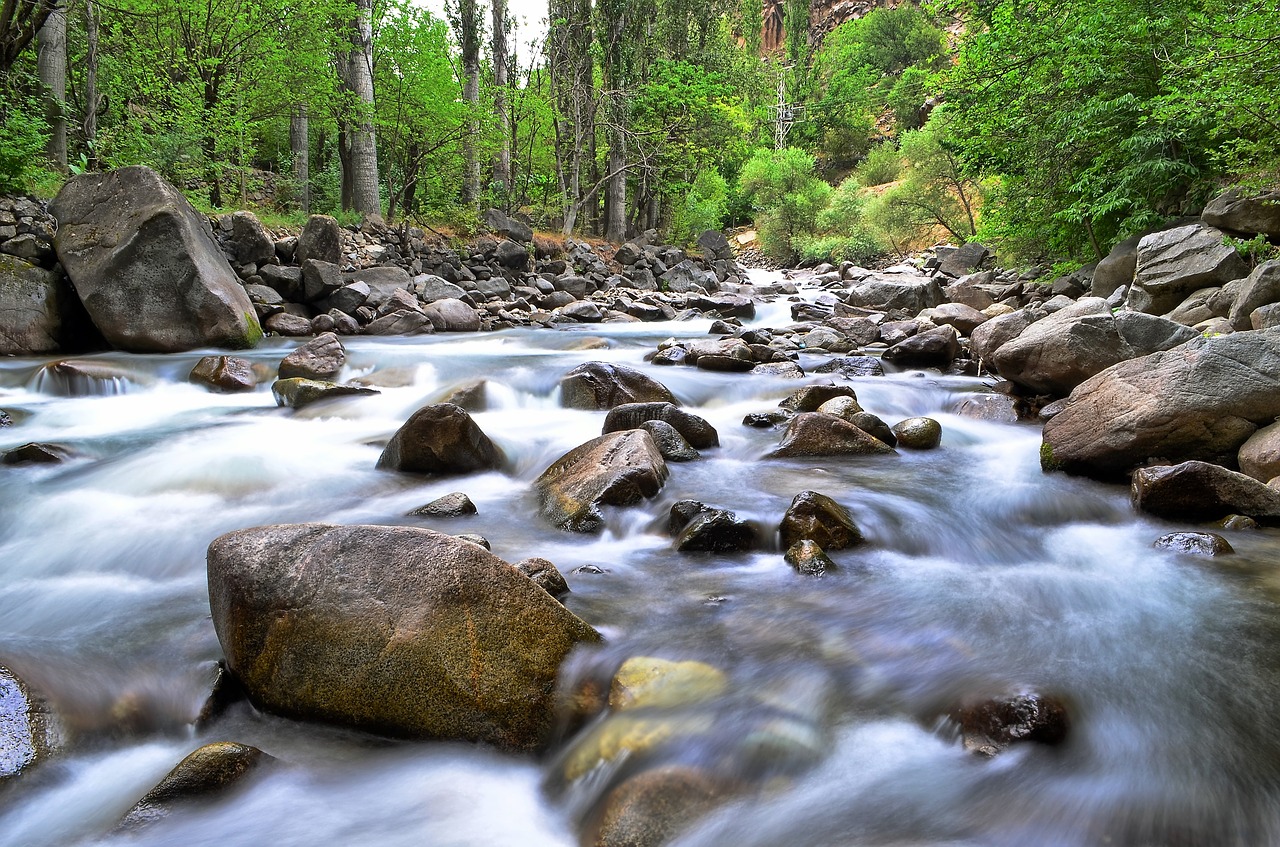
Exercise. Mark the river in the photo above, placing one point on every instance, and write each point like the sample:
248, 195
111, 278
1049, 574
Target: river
981, 574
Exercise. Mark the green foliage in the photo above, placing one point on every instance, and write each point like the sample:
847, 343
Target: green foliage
882, 164
23, 131
1254, 250
786, 195
703, 208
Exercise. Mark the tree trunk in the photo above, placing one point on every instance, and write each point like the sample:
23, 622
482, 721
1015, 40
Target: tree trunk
300, 148
364, 145
501, 159
91, 98
347, 191
615, 206
468, 25
51, 66
571, 69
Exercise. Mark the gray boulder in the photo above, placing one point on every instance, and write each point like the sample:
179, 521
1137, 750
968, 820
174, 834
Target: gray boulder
912, 294
936, 348
1000, 330
816, 434
1116, 270
252, 244
1175, 262
694, 429
965, 259
616, 469
440, 439
320, 358
146, 267
1261, 288
452, 315
1259, 457
1247, 214
394, 630
38, 310
1202, 400
224, 373
430, 288
321, 239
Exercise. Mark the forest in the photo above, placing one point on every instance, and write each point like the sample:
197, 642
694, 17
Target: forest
1050, 130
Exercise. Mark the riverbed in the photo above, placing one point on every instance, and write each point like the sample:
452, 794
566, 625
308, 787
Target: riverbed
981, 575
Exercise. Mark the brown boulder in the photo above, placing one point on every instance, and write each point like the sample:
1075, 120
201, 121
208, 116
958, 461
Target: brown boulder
598, 385
320, 358
393, 630
1260, 456
695, 430
616, 469
224, 373
440, 439
1199, 491
816, 517
206, 773
816, 434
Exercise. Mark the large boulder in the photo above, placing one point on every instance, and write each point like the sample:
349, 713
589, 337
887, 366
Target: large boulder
1201, 400
1000, 330
146, 266
1116, 270
321, 239
1260, 455
1200, 491
440, 439
1175, 262
599, 385
450, 314
1248, 214
616, 469
1058, 353
37, 309
252, 244
912, 294
393, 630
936, 348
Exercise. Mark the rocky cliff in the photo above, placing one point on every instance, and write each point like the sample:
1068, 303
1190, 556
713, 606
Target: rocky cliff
824, 16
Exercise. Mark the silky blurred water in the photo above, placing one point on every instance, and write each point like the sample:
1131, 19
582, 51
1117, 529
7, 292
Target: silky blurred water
981, 574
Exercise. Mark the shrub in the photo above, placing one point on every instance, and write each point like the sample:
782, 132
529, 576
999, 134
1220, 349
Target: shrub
883, 164
23, 132
703, 207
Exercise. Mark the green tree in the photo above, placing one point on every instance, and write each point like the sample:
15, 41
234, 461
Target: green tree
786, 196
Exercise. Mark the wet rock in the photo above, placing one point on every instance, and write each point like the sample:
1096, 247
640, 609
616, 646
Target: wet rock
809, 398
695, 430
990, 726
716, 531
1260, 456
808, 558
997, 408
453, 505
1199, 491
648, 682
845, 408
29, 731
597, 385
321, 239
918, 433
815, 434
1238, 523
452, 315
297, 393
36, 454
5, 419
440, 439
210, 772
321, 358
876, 428
146, 267
1175, 262
653, 807
816, 517
545, 575
1195, 543
766, 420
402, 631
616, 469
936, 348
851, 367
1202, 400
224, 373
682, 512
671, 443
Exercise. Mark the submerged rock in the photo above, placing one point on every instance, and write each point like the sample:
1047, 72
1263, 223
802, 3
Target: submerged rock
616, 469
716, 531
297, 393
394, 630
207, 773
990, 726
440, 439
1195, 543
36, 454
808, 558
651, 808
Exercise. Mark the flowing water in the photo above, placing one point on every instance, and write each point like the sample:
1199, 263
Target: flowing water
981, 575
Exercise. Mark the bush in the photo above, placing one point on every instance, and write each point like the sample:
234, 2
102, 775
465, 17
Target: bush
883, 164
859, 247
703, 208
786, 195
23, 133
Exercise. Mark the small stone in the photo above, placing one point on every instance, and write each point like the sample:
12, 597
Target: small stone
766, 420
808, 558
545, 574
454, 505
1238, 523
844, 408
671, 444
209, 771
36, 454
224, 373
649, 682
809, 398
1195, 543
472, 537
876, 428
918, 433
988, 727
